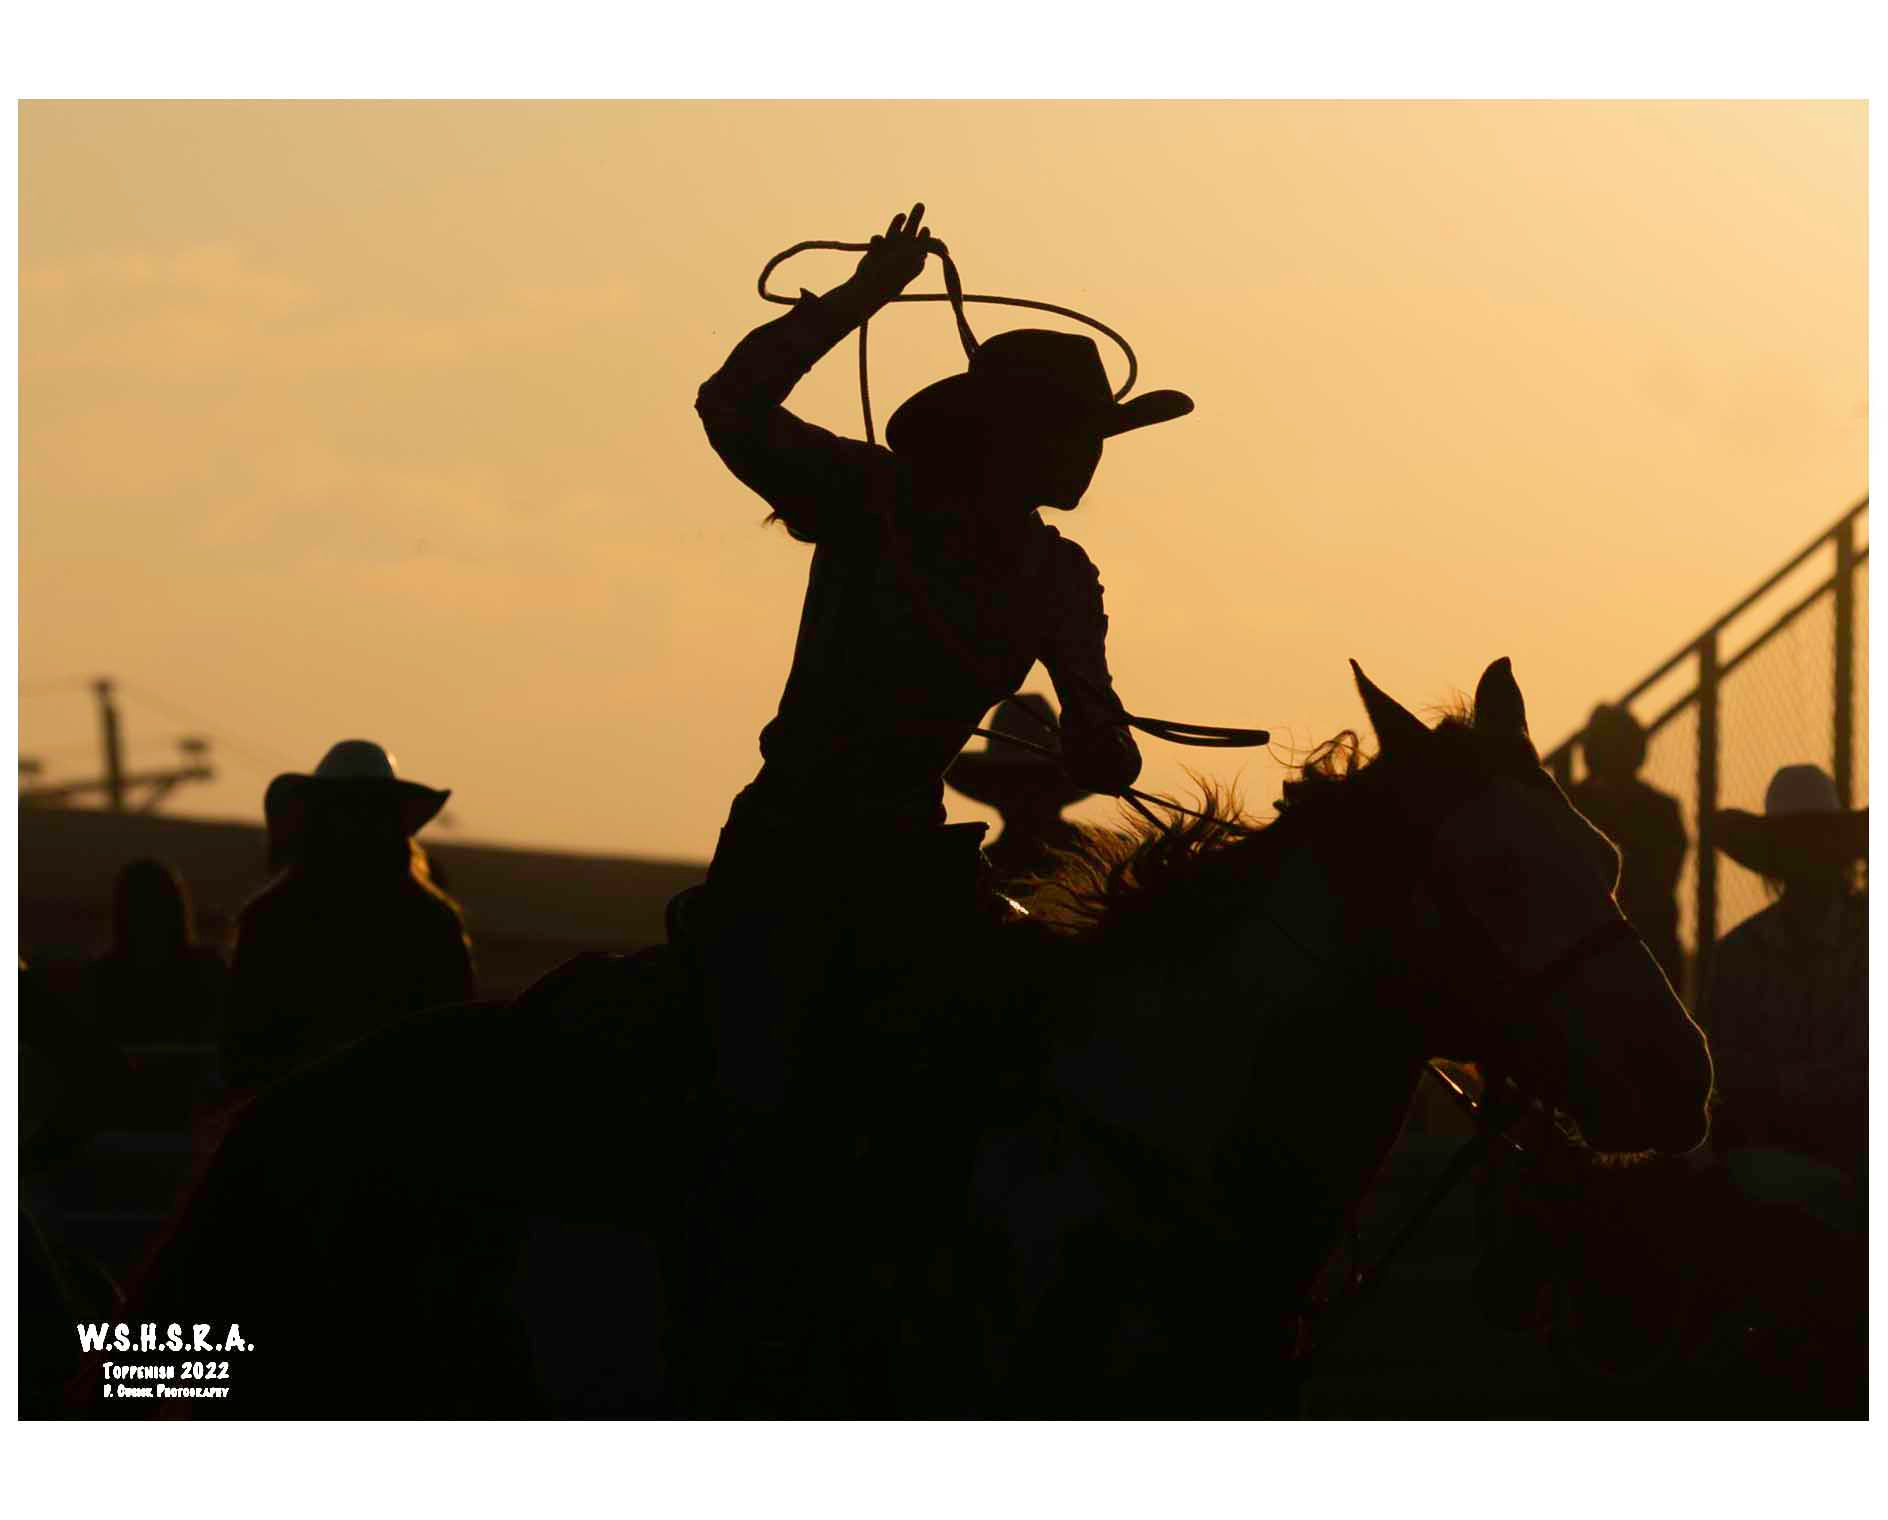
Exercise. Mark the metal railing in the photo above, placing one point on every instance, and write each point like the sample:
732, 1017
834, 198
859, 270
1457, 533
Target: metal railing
1723, 731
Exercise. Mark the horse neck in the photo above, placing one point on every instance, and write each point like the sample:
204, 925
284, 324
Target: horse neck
1317, 954
1271, 1040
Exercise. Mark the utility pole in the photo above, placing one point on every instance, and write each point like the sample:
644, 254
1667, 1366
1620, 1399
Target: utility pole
117, 784
109, 740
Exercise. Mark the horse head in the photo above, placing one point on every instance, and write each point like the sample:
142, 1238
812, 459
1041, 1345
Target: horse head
1527, 951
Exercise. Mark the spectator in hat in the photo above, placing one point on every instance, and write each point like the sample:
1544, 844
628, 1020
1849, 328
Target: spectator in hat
352, 935
1643, 822
1787, 1005
1028, 788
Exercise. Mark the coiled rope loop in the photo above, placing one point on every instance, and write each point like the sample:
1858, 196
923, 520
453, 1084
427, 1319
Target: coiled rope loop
1202, 735
953, 292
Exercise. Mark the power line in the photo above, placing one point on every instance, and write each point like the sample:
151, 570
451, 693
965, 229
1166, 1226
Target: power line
50, 688
117, 784
248, 754
260, 754
60, 751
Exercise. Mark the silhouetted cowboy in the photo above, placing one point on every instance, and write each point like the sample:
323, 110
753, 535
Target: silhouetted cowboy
1787, 1008
1643, 822
352, 935
934, 587
1028, 789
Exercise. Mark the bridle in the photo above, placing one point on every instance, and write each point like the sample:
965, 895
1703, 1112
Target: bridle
1503, 1101
1525, 990
1502, 1104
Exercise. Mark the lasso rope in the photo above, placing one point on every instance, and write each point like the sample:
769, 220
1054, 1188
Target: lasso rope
1144, 802
1201, 735
954, 293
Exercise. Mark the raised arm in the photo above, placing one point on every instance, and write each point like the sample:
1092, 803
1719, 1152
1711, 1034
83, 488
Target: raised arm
813, 479
1098, 751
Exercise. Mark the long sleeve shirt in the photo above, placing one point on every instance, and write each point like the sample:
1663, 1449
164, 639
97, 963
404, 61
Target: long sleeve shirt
1787, 1015
917, 619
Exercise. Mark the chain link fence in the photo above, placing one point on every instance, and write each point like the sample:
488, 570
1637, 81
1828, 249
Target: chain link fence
1781, 679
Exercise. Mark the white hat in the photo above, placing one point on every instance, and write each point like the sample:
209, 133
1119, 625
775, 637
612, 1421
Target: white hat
1804, 826
361, 763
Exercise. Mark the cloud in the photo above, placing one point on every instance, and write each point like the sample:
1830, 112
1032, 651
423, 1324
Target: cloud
214, 313
204, 272
208, 401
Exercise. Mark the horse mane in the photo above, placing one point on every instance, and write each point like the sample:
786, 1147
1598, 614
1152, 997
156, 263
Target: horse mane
1177, 876
1147, 873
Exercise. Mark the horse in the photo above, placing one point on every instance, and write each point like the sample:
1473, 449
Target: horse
1088, 1168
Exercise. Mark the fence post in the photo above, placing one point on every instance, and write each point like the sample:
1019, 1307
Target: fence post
1705, 930
1844, 768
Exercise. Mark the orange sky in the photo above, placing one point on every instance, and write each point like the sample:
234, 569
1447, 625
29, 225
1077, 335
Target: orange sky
376, 419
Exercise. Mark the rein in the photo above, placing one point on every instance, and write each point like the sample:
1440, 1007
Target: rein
1200, 735
1492, 1116
1503, 1102
1492, 1121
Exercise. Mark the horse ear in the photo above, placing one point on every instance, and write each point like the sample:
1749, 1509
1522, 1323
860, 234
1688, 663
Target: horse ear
1498, 705
1395, 724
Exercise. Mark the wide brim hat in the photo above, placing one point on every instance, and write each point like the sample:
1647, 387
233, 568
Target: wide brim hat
1803, 827
354, 766
1614, 740
1053, 381
1780, 847
1002, 774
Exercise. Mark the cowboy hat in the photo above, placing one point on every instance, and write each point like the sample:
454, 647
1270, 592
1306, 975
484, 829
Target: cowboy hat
1803, 827
1002, 774
1051, 380
1613, 741
353, 765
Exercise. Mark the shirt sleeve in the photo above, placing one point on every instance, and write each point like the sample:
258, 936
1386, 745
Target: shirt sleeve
818, 483
1837, 1074
1098, 751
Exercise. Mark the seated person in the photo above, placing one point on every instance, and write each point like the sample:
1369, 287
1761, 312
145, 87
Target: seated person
1787, 1004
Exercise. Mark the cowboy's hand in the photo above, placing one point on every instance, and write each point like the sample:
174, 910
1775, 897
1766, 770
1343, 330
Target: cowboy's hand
896, 259
1103, 759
